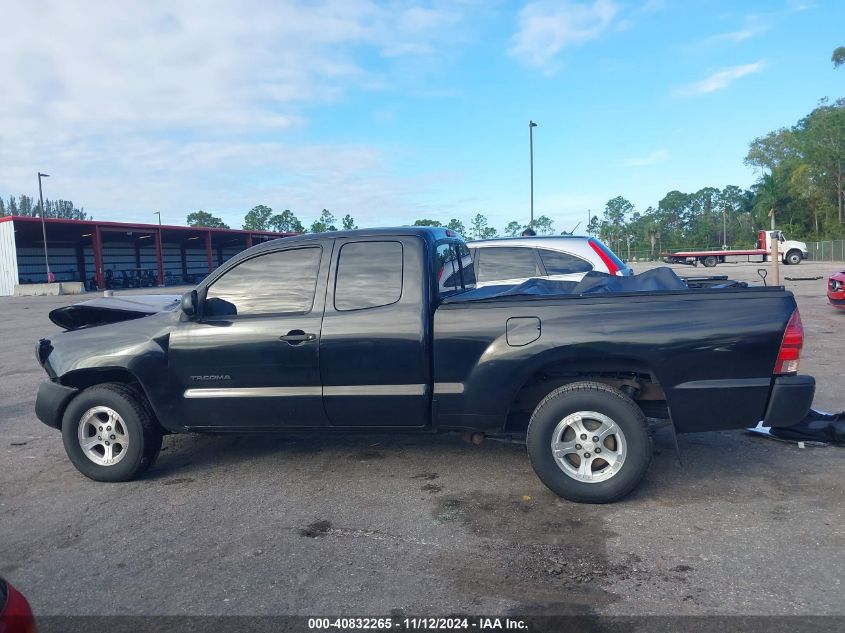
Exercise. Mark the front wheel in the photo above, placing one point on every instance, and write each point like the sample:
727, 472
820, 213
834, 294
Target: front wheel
710, 261
110, 434
793, 258
589, 443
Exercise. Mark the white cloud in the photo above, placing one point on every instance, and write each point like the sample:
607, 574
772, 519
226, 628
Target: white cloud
170, 103
545, 28
753, 25
720, 79
652, 158
742, 34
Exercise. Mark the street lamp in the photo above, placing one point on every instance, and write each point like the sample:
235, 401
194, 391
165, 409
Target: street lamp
158, 213
531, 126
50, 277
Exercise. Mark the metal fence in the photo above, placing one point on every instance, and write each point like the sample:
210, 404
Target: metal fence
827, 251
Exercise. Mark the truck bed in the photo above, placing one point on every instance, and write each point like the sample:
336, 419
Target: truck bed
710, 352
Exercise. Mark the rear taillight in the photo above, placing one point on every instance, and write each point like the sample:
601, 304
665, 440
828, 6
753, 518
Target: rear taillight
790, 347
612, 266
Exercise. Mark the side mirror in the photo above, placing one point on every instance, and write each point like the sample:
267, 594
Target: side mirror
189, 303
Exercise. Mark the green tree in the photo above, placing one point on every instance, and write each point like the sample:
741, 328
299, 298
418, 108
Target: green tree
457, 226
543, 225
286, 222
513, 229
2, 208
838, 57
324, 223
348, 222
25, 206
64, 209
258, 218
613, 225
822, 139
425, 222
203, 218
479, 230
772, 150
808, 191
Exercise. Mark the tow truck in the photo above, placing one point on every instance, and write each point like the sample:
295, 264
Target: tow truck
790, 251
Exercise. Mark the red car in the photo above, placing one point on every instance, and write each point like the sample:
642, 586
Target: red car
836, 290
15, 614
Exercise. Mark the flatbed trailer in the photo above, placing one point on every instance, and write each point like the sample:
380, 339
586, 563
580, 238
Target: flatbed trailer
791, 252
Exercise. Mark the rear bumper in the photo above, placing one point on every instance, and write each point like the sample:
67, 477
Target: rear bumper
51, 402
790, 400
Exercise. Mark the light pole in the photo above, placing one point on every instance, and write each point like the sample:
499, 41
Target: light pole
44, 227
158, 213
725, 229
531, 126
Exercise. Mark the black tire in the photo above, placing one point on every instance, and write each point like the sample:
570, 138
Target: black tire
793, 258
589, 396
710, 261
142, 431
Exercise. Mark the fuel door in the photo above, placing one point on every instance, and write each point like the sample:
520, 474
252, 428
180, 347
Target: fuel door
522, 330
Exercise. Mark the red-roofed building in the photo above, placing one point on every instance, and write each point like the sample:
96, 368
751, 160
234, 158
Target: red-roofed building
115, 254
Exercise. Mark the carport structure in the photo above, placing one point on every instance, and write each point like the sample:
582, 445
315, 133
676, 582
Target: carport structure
115, 254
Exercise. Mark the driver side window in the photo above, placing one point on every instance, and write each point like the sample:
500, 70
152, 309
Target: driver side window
282, 282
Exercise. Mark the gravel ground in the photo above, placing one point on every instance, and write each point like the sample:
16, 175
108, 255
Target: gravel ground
374, 524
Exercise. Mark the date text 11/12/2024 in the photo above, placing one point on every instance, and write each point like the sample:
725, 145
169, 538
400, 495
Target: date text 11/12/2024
418, 624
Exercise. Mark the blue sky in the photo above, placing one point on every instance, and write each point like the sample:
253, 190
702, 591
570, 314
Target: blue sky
392, 111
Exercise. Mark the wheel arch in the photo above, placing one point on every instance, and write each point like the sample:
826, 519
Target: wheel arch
81, 379
790, 252
629, 374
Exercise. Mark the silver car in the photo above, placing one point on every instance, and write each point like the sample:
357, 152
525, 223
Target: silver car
512, 260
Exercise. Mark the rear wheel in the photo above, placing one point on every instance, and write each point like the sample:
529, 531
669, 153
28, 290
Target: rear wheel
710, 261
110, 433
589, 443
793, 258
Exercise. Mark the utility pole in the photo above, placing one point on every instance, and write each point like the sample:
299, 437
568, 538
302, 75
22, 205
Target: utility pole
775, 248
725, 229
50, 277
531, 126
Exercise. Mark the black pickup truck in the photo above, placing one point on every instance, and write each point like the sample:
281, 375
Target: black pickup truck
381, 330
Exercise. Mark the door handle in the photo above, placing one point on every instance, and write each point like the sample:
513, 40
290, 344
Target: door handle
295, 337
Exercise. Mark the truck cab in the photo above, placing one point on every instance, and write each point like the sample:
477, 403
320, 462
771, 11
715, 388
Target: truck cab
791, 251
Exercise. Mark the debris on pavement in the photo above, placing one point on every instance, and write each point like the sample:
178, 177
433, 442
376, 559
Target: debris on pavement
818, 428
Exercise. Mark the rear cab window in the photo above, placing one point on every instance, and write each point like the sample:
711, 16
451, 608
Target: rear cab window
455, 271
369, 275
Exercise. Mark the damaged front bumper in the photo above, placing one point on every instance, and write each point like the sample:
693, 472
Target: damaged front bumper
51, 402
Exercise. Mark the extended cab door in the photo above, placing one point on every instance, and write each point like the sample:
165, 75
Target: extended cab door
375, 342
250, 360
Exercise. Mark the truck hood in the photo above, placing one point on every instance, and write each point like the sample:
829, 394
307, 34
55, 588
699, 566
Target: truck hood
106, 310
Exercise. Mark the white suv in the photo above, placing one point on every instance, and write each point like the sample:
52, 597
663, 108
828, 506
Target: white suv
512, 260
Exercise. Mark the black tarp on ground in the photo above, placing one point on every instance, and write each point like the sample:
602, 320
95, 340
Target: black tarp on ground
655, 280
818, 426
